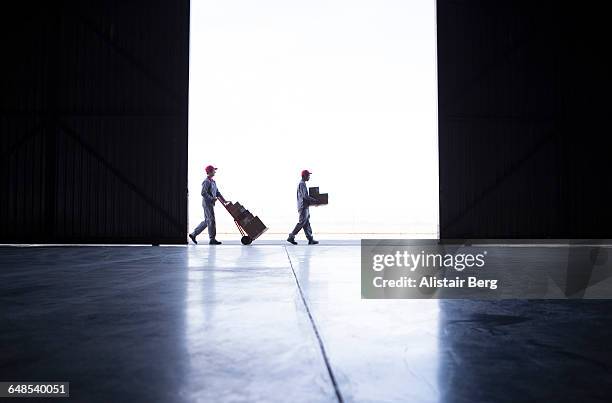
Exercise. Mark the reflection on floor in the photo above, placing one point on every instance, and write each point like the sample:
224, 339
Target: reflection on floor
276, 323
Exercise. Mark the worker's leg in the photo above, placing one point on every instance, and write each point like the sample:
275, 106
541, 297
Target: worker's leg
202, 226
209, 212
308, 229
303, 219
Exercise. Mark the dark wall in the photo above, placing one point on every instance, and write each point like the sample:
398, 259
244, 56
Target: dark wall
93, 121
524, 99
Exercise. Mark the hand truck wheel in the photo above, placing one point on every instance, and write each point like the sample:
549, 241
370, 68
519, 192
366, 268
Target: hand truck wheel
246, 240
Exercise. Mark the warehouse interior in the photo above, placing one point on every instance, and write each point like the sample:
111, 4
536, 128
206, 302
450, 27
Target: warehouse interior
99, 286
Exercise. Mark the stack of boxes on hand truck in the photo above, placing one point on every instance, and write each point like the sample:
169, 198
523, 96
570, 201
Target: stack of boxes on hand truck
321, 197
251, 227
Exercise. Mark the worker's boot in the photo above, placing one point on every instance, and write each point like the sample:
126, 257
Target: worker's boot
193, 238
291, 240
214, 242
311, 241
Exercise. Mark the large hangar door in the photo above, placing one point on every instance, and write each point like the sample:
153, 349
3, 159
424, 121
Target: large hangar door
524, 101
93, 118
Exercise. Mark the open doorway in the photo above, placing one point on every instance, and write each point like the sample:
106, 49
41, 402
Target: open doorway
346, 89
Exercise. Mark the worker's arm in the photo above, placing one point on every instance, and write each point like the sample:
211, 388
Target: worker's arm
206, 194
305, 196
220, 197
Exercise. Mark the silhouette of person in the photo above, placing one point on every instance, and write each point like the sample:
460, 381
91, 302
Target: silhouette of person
210, 194
303, 201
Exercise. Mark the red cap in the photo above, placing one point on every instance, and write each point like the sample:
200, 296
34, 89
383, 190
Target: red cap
306, 172
210, 169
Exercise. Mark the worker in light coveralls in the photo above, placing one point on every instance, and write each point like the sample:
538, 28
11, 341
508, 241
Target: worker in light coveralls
210, 194
303, 201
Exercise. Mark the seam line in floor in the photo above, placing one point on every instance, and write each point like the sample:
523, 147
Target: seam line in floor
316, 332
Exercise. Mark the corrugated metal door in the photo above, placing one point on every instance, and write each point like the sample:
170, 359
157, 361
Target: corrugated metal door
523, 115
93, 122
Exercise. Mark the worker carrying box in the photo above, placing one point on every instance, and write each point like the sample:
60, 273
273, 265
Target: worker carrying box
305, 199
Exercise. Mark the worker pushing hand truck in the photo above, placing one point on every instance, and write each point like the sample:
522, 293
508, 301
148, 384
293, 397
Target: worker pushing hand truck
250, 227
210, 193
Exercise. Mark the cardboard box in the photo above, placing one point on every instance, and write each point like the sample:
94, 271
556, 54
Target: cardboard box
244, 215
235, 209
255, 228
251, 224
245, 220
322, 198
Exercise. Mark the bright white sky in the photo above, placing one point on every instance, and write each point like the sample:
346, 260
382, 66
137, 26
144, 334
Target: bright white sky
344, 88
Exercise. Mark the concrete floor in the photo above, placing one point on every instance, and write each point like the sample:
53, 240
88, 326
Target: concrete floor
282, 324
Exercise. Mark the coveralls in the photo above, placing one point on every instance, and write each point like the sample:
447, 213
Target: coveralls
303, 200
209, 192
